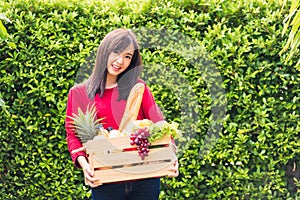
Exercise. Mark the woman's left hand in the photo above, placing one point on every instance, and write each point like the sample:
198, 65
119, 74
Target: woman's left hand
173, 169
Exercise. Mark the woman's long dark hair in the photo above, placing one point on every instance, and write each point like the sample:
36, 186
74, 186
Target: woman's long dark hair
116, 41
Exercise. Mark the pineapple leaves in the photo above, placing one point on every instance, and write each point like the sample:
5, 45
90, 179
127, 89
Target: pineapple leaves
86, 124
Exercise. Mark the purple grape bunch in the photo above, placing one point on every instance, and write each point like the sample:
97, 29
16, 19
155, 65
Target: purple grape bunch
140, 139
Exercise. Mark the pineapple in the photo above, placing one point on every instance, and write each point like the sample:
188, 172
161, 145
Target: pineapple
86, 125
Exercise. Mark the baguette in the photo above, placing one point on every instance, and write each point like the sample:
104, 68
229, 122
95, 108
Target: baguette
133, 104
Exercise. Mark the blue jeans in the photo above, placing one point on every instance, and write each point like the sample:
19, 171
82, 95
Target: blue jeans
145, 189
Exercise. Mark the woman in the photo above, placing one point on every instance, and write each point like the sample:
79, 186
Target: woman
117, 69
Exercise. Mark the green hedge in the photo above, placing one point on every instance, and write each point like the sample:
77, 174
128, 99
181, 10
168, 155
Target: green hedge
212, 65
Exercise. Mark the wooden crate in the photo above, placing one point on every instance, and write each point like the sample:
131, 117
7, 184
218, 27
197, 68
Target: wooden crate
114, 159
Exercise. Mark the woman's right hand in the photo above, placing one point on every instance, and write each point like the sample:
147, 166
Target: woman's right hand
88, 172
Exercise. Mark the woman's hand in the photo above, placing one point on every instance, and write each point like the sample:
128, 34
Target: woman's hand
88, 172
173, 170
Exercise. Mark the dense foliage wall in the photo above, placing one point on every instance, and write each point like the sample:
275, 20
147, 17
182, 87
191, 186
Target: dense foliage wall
212, 65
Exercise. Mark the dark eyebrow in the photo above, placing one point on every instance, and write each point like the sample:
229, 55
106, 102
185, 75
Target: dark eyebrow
128, 53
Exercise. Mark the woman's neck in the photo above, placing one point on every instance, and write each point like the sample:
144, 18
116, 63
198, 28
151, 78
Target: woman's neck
111, 83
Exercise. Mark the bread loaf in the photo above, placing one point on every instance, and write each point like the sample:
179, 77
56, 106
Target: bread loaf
133, 104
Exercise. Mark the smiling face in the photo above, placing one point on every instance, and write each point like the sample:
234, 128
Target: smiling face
119, 62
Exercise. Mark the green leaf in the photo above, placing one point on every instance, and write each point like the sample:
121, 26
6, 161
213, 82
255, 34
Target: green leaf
3, 32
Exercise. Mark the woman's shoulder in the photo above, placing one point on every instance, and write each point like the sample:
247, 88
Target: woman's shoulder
147, 89
141, 81
79, 88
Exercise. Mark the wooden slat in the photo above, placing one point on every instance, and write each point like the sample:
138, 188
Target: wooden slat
120, 142
132, 157
115, 175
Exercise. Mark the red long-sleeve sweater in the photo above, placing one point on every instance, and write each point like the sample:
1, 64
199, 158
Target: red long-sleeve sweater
108, 108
